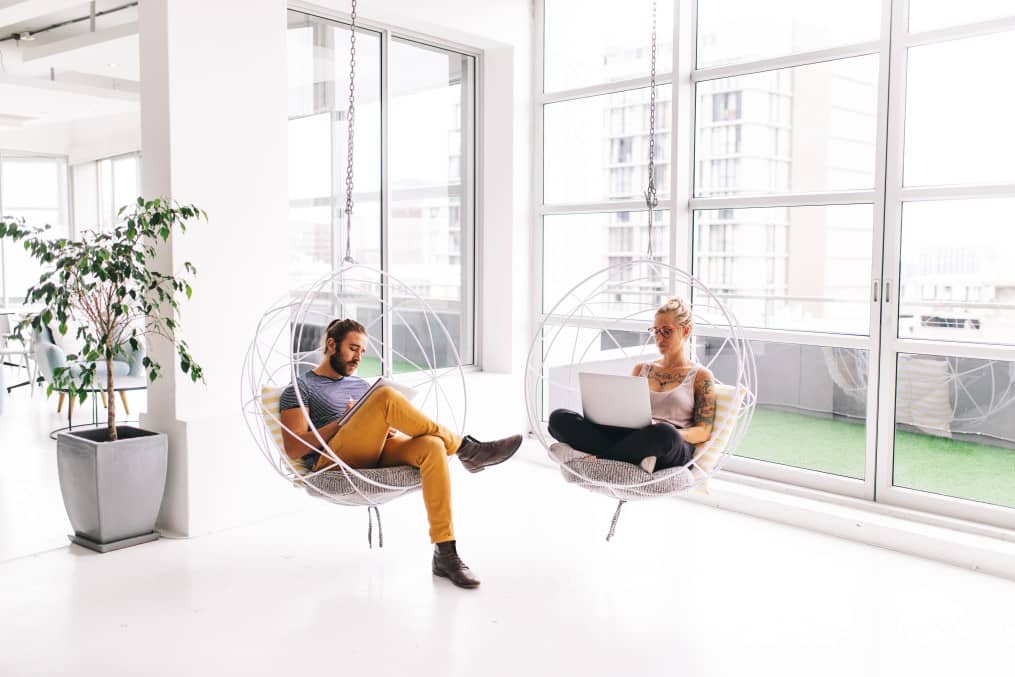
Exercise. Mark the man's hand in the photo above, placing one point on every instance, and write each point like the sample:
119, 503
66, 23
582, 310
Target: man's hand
349, 404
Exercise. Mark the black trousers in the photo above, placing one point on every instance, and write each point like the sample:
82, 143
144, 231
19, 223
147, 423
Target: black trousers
622, 444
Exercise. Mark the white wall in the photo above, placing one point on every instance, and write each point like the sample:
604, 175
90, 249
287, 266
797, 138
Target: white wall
96, 138
81, 140
214, 133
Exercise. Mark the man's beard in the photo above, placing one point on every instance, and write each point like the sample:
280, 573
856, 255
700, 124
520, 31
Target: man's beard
342, 367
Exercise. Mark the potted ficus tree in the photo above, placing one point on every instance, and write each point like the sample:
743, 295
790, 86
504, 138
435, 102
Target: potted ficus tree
102, 288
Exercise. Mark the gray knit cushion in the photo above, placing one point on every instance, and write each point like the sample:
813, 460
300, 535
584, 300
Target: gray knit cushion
626, 481
336, 486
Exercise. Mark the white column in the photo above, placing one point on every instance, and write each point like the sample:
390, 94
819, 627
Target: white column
213, 109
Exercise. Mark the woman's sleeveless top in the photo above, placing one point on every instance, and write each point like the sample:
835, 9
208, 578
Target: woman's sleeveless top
675, 406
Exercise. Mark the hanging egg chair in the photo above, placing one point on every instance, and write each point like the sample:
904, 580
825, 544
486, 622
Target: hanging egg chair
600, 325
408, 342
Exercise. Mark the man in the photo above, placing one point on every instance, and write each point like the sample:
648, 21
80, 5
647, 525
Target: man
387, 430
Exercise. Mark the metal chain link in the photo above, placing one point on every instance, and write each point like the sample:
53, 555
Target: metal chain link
350, 120
651, 200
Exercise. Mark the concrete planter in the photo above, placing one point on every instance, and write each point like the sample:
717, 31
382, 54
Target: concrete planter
112, 490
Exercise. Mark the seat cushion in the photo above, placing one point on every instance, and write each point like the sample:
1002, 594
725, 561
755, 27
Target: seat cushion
624, 480
338, 485
350, 488
630, 482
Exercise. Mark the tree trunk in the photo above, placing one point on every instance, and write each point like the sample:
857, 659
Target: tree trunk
110, 395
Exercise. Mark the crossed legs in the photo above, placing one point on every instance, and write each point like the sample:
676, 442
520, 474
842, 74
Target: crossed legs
661, 440
363, 442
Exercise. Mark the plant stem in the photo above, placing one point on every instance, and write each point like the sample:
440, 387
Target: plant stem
111, 412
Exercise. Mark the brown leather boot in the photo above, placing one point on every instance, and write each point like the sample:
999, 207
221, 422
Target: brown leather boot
447, 564
476, 455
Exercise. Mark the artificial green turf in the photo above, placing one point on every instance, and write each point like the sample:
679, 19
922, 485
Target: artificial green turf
371, 366
979, 472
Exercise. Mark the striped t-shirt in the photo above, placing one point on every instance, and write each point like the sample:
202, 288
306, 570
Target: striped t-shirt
325, 399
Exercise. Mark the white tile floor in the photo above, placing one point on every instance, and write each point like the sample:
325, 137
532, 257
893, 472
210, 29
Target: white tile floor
682, 590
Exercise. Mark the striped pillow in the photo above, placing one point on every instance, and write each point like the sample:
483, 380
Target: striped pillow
707, 455
269, 411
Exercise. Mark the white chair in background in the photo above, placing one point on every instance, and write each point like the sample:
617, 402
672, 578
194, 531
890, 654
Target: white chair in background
14, 353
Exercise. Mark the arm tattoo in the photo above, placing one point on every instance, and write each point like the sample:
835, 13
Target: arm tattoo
704, 402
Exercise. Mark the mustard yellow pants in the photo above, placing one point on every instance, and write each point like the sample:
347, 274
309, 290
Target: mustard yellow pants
363, 442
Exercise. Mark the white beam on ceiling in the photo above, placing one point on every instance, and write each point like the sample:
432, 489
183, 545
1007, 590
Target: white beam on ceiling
24, 10
85, 89
34, 52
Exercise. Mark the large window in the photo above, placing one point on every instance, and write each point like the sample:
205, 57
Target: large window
414, 162
855, 214
102, 187
34, 188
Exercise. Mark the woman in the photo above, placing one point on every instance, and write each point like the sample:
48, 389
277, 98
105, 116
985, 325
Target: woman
682, 393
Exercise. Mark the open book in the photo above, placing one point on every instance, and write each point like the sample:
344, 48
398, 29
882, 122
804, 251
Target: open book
408, 392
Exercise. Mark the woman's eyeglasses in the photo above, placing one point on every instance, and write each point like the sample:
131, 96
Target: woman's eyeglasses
665, 332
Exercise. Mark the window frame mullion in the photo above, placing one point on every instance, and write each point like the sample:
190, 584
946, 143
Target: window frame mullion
387, 359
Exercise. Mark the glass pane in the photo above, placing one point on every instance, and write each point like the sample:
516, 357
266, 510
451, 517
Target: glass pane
576, 246
981, 152
798, 130
106, 209
126, 172
432, 123
811, 409
925, 15
731, 31
954, 429
318, 65
86, 196
32, 184
596, 149
20, 271
589, 42
956, 271
318, 62
33, 189
568, 350
804, 268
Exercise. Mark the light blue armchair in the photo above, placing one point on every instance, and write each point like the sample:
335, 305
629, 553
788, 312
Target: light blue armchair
52, 348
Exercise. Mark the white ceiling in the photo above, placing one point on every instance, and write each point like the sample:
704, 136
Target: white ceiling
44, 102
111, 52
70, 72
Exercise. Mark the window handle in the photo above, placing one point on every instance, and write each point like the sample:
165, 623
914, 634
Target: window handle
888, 291
875, 286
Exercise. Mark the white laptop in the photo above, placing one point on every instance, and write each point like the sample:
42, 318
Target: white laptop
611, 399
